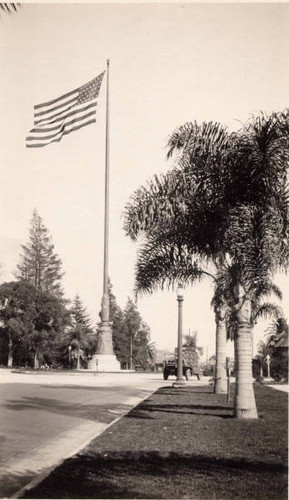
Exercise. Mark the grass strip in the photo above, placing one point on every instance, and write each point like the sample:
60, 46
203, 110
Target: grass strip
182, 443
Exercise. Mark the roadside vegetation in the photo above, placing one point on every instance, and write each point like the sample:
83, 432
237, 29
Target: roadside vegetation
221, 212
275, 346
41, 329
182, 443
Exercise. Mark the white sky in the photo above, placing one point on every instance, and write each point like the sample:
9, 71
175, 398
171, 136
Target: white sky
170, 63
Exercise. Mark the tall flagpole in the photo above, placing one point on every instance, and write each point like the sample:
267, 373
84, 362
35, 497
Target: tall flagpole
105, 357
105, 298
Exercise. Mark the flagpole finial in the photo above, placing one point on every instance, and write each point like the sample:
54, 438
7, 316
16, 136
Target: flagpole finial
107, 62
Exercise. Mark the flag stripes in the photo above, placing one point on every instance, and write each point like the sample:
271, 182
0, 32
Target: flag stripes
72, 101
58, 117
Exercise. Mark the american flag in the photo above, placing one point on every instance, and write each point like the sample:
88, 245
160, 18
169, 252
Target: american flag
59, 117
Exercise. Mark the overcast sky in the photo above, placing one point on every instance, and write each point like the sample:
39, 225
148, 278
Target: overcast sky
170, 63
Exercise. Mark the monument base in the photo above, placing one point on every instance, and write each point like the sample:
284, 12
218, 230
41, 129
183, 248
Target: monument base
104, 363
179, 383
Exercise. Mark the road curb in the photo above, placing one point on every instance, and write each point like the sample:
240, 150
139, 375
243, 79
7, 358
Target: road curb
45, 473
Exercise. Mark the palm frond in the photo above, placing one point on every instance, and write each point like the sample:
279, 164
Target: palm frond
267, 288
9, 8
199, 139
226, 199
268, 309
161, 265
261, 157
276, 330
152, 203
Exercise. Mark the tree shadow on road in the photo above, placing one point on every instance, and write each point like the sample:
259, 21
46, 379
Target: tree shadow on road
146, 411
168, 403
101, 413
87, 388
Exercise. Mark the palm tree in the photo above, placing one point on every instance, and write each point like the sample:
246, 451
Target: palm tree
182, 201
159, 265
228, 199
257, 233
172, 192
163, 263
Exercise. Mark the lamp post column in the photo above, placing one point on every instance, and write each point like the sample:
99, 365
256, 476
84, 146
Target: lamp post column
180, 382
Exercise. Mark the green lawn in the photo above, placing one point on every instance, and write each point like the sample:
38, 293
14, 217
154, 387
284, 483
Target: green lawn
182, 443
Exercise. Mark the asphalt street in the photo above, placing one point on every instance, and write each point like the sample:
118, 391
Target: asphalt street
48, 417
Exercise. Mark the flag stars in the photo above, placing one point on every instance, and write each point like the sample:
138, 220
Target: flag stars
64, 114
90, 90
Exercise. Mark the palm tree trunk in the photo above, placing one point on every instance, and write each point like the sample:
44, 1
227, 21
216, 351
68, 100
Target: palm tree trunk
245, 405
220, 370
10, 352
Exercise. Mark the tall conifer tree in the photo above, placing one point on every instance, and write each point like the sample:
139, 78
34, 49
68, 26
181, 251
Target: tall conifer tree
119, 338
80, 330
132, 320
39, 264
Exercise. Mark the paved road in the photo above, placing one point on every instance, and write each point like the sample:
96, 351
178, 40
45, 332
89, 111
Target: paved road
45, 418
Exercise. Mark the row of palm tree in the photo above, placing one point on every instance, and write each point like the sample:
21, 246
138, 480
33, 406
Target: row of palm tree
220, 212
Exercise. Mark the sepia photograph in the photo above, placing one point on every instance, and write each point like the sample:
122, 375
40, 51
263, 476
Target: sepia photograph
144, 250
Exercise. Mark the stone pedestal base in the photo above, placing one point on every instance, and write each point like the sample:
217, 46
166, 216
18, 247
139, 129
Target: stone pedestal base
179, 383
104, 363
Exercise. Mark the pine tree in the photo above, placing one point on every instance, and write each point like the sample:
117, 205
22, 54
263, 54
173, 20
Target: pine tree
39, 264
144, 351
119, 338
80, 330
132, 321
